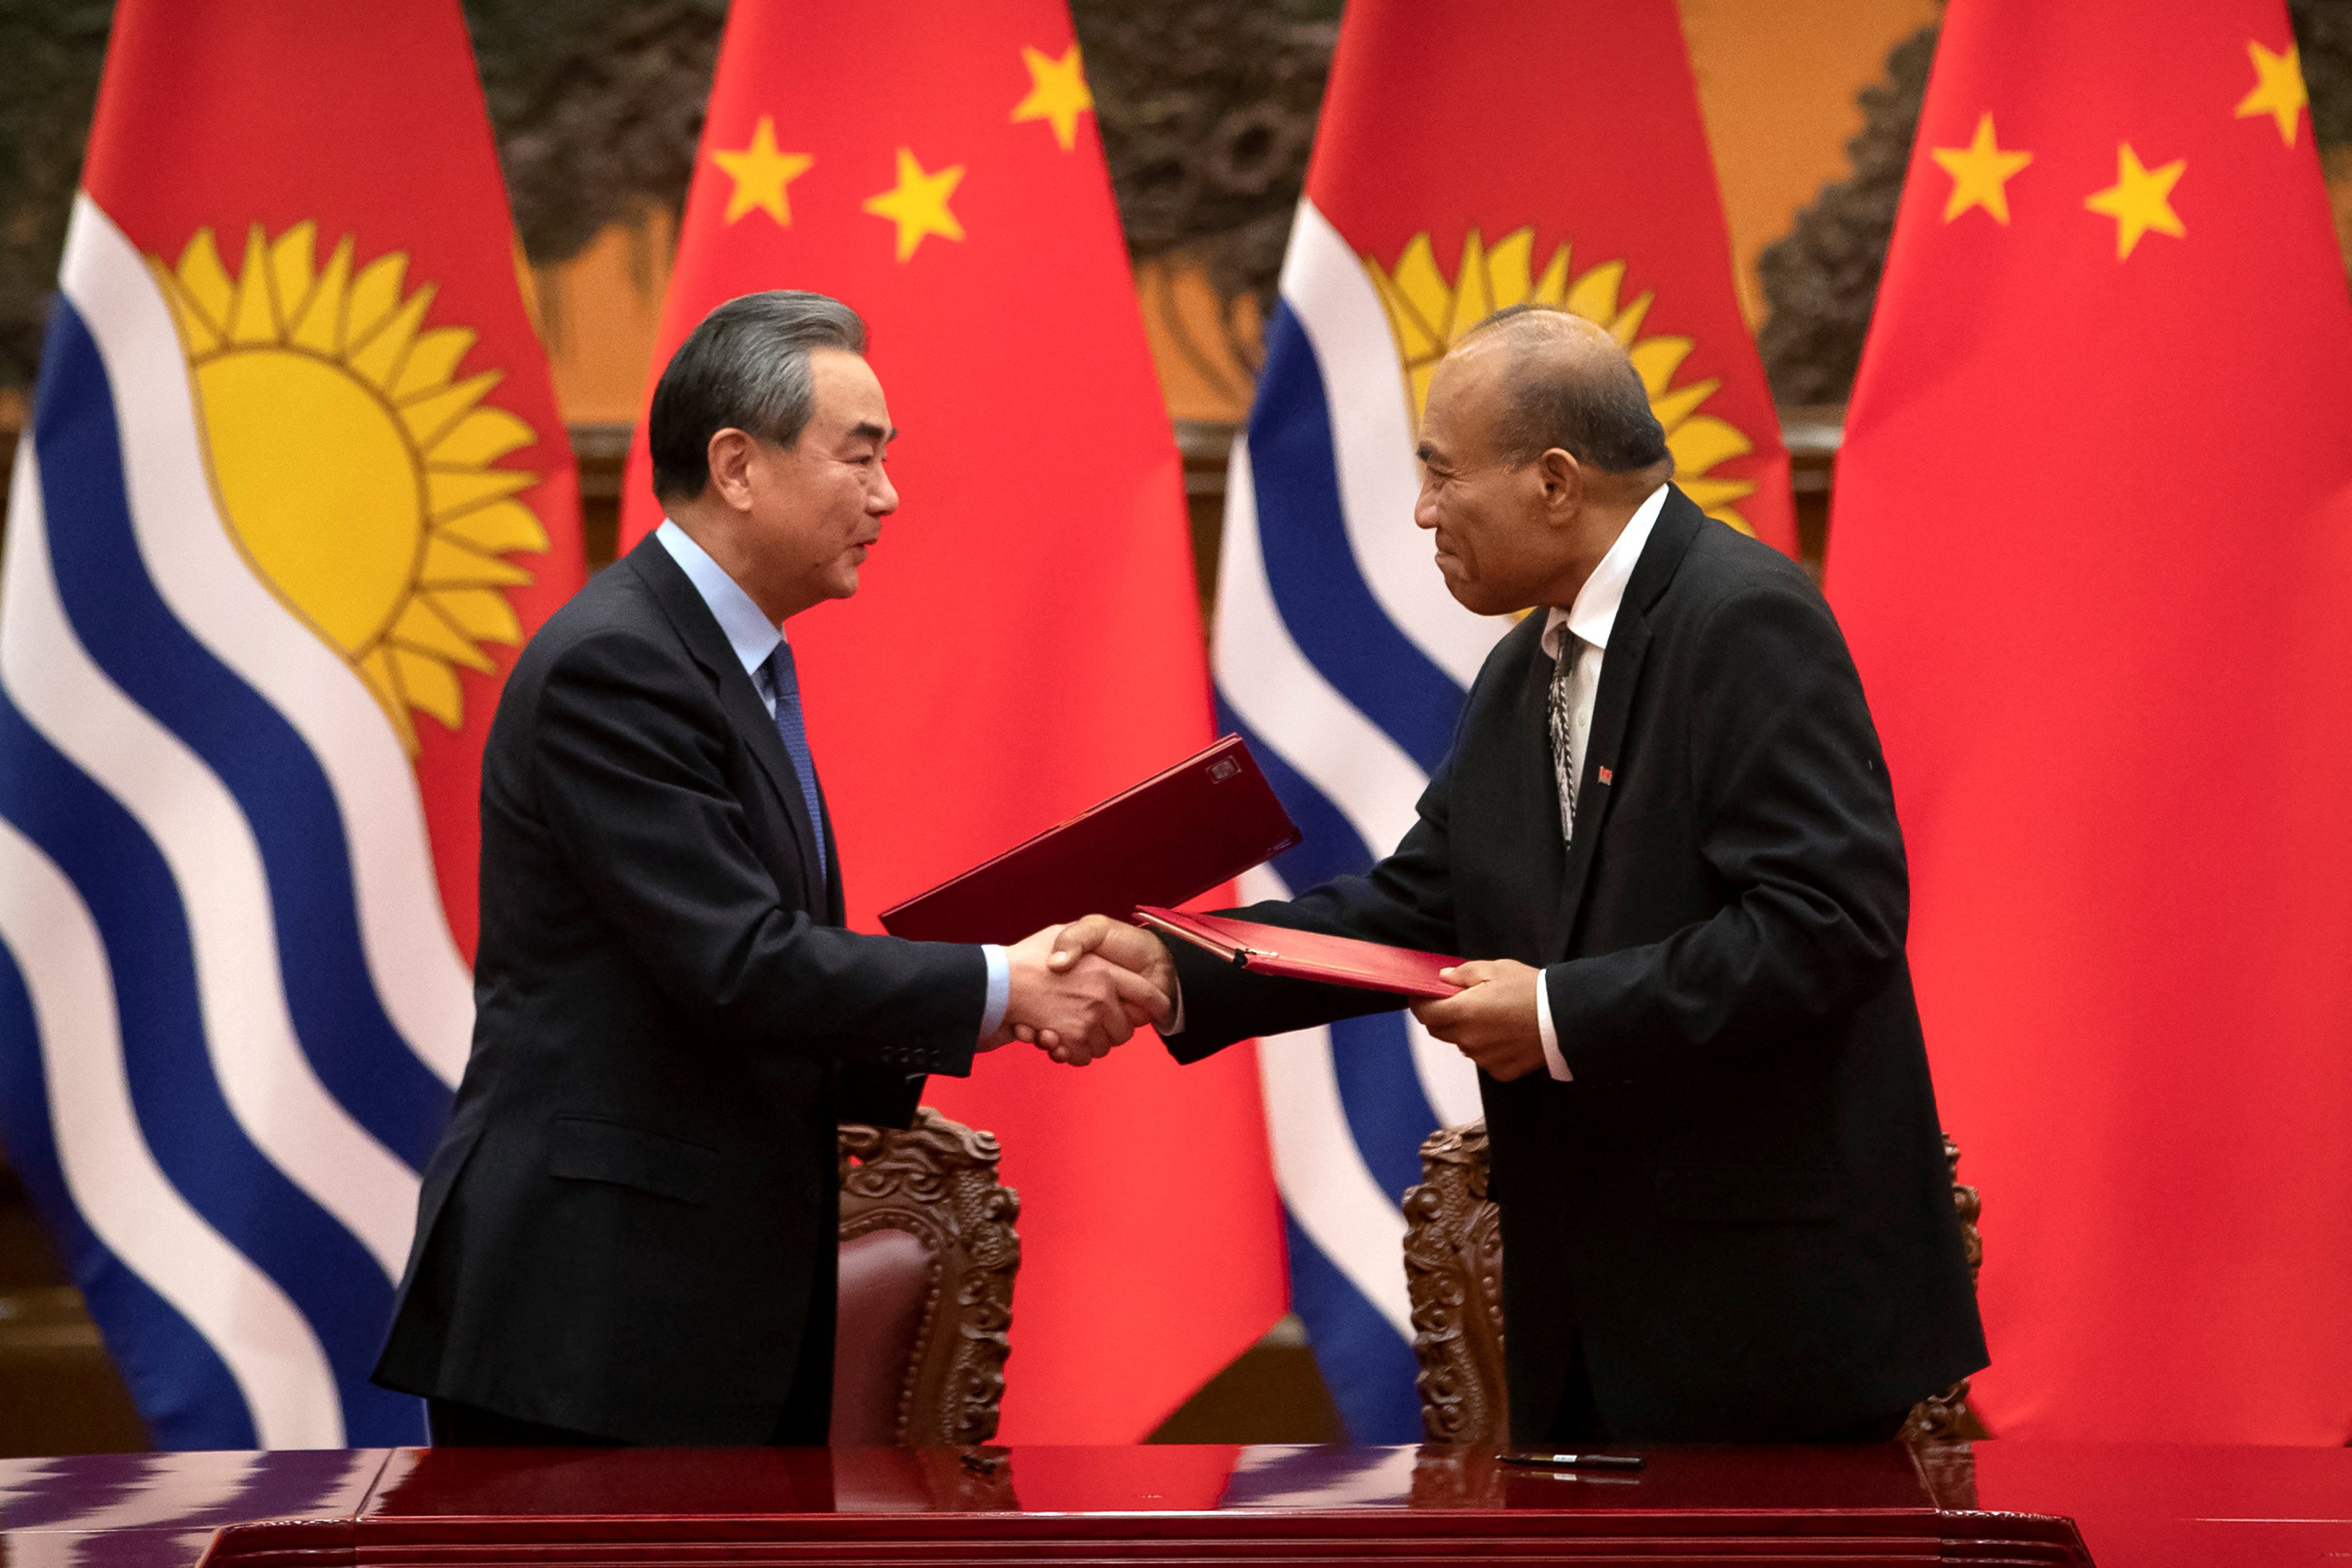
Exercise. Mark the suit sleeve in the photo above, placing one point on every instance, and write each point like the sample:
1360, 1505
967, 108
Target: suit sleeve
628, 772
1405, 900
1795, 820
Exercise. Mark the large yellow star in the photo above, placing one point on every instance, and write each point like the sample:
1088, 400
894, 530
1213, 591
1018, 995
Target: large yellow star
917, 203
2140, 200
2278, 90
1057, 91
761, 174
1981, 172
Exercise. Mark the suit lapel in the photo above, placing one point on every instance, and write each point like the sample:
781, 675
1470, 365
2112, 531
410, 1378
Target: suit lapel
1613, 706
737, 699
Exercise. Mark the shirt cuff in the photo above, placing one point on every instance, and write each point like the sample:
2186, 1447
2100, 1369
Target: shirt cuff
1552, 1058
1000, 989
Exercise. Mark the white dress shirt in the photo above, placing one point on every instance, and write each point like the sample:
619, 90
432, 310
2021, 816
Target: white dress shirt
1590, 620
754, 637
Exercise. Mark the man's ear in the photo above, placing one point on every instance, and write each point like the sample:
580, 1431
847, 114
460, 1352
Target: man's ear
1563, 478
730, 455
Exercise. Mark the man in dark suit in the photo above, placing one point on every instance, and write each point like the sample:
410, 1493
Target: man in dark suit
1666, 835
628, 1231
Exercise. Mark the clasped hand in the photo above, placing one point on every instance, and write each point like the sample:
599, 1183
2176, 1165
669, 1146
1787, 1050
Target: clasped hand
1075, 1001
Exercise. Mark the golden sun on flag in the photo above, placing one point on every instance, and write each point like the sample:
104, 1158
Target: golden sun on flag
353, 469
1430, 315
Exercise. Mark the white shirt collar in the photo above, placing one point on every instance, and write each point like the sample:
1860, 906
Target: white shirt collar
749, 631
1594, 614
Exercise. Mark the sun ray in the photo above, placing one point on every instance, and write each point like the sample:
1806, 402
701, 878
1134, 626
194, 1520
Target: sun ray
497, 528
482, 437
450, 564
431, 685
1474, 299
480, 613
375, 294
1672, 407
1507, 282
421, 629
207, 282
1656, 359
250, 319
1628, 325
379, 356
291, 274
353, 465
1594, 295
447, 493
1552, 286
320, 326
434, 415
432, 361
1423, 286
1701, 441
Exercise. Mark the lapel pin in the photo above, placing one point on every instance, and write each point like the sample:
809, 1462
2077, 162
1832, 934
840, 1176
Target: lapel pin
1605, 775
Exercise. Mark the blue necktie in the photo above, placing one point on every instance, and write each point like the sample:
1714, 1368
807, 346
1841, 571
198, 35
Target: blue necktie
785, 685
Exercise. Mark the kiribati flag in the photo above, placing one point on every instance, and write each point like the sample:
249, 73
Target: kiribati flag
1526, 151
294, 491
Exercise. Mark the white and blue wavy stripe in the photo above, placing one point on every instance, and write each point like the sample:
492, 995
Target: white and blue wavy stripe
1340, 657
230, 1009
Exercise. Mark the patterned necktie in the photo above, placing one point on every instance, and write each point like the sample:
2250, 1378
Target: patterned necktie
785, 685
1563, 739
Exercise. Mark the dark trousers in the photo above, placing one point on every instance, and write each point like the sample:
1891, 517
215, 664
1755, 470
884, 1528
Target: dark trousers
1579, 1426
804, 1422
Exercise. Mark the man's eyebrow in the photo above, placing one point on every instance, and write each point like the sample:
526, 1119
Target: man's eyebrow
1424, 451
873, 432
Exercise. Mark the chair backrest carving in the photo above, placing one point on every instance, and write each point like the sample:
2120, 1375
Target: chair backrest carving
1454, 1277
937, 1181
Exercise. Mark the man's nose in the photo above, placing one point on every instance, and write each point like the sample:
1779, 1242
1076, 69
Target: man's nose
1425, 510
884, 499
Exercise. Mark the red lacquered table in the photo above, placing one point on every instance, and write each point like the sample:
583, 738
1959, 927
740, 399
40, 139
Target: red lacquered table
2137, 1506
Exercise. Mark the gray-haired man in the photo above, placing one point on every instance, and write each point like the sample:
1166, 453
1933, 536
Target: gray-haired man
627, 1233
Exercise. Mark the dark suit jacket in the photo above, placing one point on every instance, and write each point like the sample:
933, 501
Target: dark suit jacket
1740, 1204
630, 1226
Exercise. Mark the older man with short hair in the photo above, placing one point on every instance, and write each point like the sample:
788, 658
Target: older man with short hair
628, 1231
1666, 838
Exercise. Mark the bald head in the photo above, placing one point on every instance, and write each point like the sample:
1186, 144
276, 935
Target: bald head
1564, 382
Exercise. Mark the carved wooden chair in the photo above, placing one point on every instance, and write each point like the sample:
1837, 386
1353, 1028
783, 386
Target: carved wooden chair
929, 1253
1454, 1275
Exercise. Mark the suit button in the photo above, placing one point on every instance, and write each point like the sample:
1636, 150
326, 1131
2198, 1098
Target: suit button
813, 1194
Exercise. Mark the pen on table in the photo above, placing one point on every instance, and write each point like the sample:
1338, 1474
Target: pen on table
1575, 1461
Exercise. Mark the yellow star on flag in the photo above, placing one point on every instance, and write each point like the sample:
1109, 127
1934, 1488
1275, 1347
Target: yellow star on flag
761, 174
2140, 200
919, 204
1057, 92
1981, 172
2278, 90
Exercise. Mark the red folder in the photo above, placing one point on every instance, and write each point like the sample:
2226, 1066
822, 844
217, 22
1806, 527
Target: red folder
1172, 837
1309, 955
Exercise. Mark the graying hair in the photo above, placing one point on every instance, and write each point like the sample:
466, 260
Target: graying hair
746, 366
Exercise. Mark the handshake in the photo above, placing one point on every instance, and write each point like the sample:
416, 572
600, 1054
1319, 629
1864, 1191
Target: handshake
1079, 989
1082, 988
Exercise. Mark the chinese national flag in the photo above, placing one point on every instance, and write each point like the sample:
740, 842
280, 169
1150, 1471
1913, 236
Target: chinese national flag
2093, 548
1026, 640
